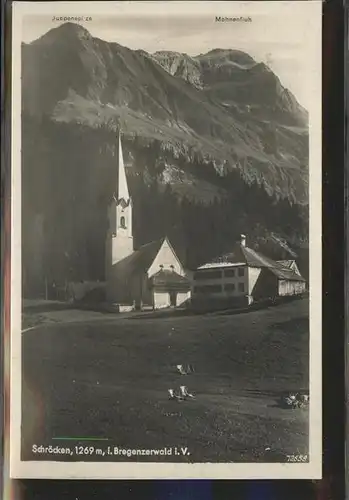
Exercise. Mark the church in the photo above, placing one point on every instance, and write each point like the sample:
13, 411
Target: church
151, 276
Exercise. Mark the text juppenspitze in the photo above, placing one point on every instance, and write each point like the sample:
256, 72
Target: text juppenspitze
66, 19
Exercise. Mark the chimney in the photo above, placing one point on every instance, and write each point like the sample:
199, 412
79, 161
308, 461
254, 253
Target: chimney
243, 240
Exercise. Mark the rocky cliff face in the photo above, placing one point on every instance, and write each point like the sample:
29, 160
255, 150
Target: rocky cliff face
233, 79
202, 136
181, 65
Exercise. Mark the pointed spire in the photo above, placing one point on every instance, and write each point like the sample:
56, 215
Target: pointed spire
122, 193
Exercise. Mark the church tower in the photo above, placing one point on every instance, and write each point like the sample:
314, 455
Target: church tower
119, 242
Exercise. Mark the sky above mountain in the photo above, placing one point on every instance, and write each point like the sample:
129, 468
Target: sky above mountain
276, 38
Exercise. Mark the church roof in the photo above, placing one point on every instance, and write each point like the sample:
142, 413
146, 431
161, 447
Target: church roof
141, 260
243, 255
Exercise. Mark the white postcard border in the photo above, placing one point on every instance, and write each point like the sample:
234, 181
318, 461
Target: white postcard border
134, 470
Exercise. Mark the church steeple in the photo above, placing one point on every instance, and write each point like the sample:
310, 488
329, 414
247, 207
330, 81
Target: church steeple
122, 187
119, 242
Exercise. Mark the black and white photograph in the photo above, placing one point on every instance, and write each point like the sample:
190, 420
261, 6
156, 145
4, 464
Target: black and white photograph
166, 240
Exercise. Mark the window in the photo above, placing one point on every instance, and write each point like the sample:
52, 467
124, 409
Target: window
230, 287
241, 271
207, 275
122, 222
208, 289
230, 273
241, 287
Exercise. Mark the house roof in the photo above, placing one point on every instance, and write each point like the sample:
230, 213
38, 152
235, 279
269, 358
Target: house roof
141, 260
242, 255
233, 258
164, 277
286, 263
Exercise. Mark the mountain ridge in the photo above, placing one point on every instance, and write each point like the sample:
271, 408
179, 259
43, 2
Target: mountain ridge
229, 58
107, 84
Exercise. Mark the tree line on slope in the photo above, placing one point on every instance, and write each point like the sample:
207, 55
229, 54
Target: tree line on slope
68, 179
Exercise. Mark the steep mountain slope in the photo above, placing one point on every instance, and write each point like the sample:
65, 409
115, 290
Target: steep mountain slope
75, 78
236, 81
181, 65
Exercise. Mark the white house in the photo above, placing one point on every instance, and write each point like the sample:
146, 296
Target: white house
242, 277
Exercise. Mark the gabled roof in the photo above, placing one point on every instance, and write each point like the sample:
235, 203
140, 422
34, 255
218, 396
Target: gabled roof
141, 260
169, 278
243, 255
286, 263
256, 259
